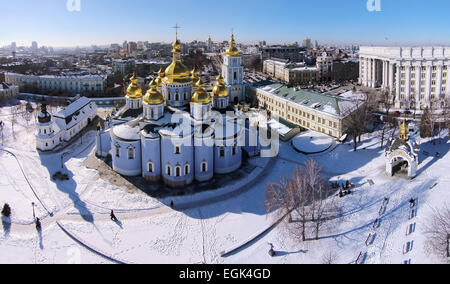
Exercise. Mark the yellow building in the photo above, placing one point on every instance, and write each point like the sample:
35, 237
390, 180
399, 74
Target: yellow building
314, 111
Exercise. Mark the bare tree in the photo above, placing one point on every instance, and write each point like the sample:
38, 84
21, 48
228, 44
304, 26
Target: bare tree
386, 104
288, 197
437, 230
330, 258
304, 196
322, 207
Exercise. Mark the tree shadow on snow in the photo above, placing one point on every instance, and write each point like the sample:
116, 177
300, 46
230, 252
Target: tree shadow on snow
6, 222
69, 187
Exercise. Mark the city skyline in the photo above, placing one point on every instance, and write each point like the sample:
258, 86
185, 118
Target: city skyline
101, 22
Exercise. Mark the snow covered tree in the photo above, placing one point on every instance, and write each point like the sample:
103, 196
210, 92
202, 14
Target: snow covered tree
437, 230
6, 211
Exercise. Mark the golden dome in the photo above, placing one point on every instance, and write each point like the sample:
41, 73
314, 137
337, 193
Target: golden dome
194, 75
404, 132
160, 78
232, 51
134, 91
177, 72
200, 96
220, 90
153, 95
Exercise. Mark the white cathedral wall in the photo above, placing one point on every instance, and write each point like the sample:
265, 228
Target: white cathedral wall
122, 164
151, 152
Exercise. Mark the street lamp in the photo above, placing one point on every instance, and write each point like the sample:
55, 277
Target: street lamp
34, 214
62, 159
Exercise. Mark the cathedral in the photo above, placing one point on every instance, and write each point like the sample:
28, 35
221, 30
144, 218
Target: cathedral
178, 132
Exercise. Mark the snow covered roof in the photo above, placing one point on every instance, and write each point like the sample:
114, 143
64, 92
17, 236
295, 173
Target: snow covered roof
73, 107
339, 106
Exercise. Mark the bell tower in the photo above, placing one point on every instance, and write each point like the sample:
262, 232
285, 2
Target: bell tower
233, 73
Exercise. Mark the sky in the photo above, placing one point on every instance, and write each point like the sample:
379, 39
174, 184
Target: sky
99, 22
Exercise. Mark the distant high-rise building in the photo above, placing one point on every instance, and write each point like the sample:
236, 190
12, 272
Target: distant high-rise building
307, 43
316, 44
13, 46
210, 44
34, 46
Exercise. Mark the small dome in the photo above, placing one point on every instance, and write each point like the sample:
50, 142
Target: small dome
404, 132
194, 75
44, 116
200, 96
232, 51
153, 95
160, 78
220, 90
133, 91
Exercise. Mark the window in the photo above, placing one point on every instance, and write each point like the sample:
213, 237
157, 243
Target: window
130, 153
150, 167
222, 152
234, 150
177, 171
168, 170
117, 150
187, 169
177, 150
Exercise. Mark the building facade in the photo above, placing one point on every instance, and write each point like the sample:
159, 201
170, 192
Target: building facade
53, 130
416, 77
7, 91
74, 85
291, 53
318, 112
291, 73
124, 66
324, 64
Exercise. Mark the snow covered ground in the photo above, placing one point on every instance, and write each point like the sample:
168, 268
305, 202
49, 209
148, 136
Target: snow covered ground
151, 232
312, 142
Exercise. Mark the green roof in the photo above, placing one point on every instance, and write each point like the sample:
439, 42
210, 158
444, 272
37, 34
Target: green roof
329, 104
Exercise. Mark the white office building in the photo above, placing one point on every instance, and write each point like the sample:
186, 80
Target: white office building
85, 85
417, 77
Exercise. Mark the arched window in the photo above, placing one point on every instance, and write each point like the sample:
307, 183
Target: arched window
204, 167
150, 167
117, 150
152, 114
131, 153
187, 169
222, 152
177, 150
177, 95
177, 171
168, 170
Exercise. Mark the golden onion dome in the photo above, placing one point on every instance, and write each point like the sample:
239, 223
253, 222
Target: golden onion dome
404, 132
194, 75
134, 91
232, 51
200, 96
160, 78
220, 90
177, 72
153, 95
